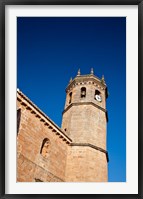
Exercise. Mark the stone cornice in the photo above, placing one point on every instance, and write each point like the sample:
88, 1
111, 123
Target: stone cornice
87, 79
87, 103
29, 105
92, 146
84, 79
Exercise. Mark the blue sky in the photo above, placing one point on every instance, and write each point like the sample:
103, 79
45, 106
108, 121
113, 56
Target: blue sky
50, 52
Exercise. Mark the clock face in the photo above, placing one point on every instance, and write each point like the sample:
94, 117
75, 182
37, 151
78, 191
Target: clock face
98, 98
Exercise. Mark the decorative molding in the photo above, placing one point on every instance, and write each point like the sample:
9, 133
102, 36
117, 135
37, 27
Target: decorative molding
85, 78
92, 146
87, 103
29, 105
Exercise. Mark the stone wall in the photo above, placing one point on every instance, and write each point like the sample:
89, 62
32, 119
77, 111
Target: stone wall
32, 162
85, 124
86, 164
28, 171
75, 153
84, 121
90, 87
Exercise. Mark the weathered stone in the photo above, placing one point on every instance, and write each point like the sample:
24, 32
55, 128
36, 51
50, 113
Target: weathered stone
74, 153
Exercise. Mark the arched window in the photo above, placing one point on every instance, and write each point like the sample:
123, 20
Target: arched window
83, 92
45, 147
70, 97
97, 92
18, 119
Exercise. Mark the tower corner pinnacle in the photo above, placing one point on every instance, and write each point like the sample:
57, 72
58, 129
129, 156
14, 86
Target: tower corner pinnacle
70, 80
91, 72
78, 73
103, 80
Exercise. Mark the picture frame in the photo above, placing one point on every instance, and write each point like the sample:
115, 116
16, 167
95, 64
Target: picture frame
3, 100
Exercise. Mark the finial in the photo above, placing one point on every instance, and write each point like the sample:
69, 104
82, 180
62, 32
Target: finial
71, 79
103, 80
78, 72
92, 71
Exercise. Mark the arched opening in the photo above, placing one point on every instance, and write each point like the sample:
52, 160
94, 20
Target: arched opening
83, 92
97, 92
45, 147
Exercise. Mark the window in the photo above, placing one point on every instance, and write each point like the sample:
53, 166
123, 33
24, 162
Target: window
70, 97
97, 92
83, 92
45, 147
18, 119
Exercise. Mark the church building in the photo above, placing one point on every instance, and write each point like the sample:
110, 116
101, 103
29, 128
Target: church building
76, 152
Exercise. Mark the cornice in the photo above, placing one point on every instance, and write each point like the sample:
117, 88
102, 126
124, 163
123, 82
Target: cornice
92, 146
84, 79
87, 103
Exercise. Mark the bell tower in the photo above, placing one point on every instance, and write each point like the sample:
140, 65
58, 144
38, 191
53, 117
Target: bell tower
84, 121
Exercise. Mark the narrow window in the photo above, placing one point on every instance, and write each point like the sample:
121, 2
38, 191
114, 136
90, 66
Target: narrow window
18, 119
70, 97
83, 92
45, 147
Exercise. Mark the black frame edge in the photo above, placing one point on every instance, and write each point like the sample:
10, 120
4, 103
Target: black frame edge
140, 99
71, 2
2, 100
2, 93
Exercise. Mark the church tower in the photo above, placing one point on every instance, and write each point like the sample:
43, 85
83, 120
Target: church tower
84, 121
